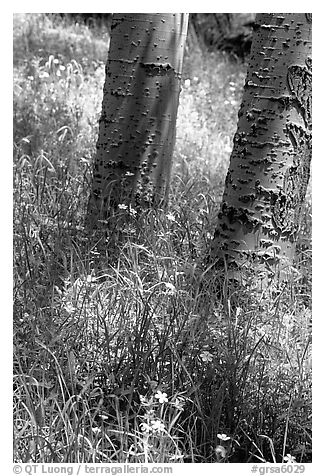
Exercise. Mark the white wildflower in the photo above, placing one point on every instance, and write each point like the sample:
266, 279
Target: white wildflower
157, 425
69, 308
161, 396
223, 437
206, 356
43, 74
175, 457
170, 217
289, 458
133, 212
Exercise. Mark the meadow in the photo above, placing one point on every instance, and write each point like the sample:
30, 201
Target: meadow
125, 348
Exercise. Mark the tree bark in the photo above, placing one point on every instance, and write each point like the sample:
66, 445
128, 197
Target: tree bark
139, 109
270, 163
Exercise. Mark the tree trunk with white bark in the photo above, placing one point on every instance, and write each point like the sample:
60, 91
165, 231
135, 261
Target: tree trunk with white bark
269, 167
139, 109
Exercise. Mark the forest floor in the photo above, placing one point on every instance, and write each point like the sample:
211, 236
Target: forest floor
128, 353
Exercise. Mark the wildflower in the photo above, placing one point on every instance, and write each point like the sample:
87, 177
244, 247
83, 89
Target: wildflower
175, 457
170, 217
162, 397
187, 83
223, 437
122, 206
129, 229
170, 288
69, 308
289, 459
157, 425
132, 212
43, 74
129, 174
206, 356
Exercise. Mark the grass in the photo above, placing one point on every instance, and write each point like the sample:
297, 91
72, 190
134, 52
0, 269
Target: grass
130, 353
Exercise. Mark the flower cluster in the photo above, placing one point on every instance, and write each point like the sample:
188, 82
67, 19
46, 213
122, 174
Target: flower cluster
154, 426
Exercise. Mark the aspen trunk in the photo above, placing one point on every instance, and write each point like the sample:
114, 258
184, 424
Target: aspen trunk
139, 109
270, 163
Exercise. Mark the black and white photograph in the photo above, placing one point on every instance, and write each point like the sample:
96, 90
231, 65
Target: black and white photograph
162, 241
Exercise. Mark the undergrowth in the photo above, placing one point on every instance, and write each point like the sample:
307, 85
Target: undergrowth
125, 349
